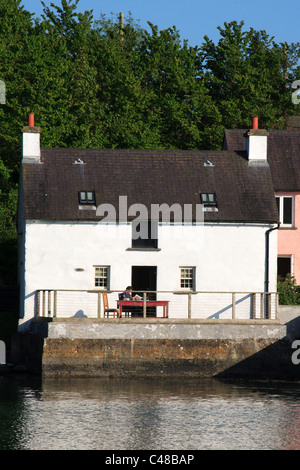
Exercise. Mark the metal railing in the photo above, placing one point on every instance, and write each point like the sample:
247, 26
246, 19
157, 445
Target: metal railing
66, 303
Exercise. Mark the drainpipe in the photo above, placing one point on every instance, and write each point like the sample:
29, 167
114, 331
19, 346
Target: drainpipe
268, 254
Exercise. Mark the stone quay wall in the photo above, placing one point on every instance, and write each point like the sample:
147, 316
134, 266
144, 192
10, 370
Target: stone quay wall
158, 348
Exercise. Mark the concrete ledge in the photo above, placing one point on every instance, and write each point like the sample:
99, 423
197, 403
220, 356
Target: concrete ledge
159, 329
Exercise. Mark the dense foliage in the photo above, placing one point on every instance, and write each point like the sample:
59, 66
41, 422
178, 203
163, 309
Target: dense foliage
289, 292
109, 84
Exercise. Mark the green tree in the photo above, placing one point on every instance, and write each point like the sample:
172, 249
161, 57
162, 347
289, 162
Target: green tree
15, 25
63, 76
247, 74
8, 210
171, 73
108, 83
120, 95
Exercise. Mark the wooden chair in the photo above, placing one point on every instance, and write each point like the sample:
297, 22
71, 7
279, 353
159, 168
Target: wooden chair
114, 311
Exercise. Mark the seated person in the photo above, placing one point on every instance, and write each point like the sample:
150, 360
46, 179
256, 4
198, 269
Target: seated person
127, 295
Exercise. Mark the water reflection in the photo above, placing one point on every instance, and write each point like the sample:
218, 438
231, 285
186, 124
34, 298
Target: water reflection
114, 414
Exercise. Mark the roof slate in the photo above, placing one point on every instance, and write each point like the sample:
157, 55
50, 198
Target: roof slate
244, 191
283, 155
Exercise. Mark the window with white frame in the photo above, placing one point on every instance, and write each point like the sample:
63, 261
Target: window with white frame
102, 274
285, 206
187, 278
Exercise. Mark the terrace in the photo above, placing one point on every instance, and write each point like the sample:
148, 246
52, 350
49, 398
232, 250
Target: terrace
64, 303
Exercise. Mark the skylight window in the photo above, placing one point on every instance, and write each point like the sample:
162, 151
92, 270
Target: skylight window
86, 197
209, 201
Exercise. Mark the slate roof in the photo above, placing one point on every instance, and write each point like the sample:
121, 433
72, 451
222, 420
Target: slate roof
283, 155
244, 191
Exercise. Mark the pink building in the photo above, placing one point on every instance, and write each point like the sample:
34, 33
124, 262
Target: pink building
288, 260
283, 156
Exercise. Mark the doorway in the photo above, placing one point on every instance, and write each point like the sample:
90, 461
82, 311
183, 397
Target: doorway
143, 278
284, 266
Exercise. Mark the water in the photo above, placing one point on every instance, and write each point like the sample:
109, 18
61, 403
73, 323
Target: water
144, 414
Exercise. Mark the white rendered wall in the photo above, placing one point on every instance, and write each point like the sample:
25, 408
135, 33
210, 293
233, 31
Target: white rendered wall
227, 258
257, 147
31, 145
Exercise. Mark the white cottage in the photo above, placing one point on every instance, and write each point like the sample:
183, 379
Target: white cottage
167, 222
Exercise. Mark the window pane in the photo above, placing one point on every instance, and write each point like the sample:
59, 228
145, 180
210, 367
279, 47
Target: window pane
101, 276
287, 210
208, 199
187, 278
86, 197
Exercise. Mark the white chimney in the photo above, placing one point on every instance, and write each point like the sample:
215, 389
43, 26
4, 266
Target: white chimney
257, 143
31, 142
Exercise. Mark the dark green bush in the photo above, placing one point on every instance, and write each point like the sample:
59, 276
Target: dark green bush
289, 292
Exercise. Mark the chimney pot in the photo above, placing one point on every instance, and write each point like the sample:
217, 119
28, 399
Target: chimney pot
31, 120
255, 123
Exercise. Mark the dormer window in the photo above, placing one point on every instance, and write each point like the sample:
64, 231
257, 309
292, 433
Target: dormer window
87, 201
86, 197
209, 201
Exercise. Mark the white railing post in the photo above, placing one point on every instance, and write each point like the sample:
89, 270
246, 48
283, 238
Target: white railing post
189, 305
54, 303
233, 305
99, 304
144, 305
253, 305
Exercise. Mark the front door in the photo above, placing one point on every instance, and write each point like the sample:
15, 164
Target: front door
143, 278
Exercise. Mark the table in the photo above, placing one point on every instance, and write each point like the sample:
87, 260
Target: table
149, 303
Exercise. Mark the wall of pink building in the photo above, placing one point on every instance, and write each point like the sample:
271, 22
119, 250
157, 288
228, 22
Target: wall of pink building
289, 239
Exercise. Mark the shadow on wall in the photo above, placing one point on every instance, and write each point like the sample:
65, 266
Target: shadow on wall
8, 262
9, 298
278, 361
293, 328
79, 314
